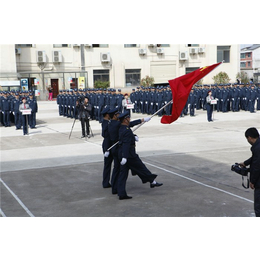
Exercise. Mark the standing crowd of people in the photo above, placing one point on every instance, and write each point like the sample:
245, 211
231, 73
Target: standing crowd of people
230, 97
12, 103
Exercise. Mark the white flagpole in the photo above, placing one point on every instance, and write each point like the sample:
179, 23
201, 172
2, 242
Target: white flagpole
170, 102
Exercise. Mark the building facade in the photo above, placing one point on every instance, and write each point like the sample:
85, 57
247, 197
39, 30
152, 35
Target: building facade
250, 61
66, 66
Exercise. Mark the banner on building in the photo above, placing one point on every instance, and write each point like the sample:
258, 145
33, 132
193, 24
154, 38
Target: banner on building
24, 84
81, 83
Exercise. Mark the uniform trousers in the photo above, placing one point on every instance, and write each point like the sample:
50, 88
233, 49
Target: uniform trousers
257, 202
25, 122
209, 112
135, 164
107, 169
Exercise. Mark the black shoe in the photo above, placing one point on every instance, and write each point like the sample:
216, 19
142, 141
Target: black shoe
157, 184
83, 136
114, 192
108, 186
124, 197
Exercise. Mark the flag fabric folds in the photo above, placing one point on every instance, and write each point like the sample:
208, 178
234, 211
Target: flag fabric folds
181, 88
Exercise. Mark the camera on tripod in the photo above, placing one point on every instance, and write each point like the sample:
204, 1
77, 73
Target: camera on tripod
242, 171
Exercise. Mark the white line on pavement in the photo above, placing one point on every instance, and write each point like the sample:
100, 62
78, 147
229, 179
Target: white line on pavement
17, 199
203, 184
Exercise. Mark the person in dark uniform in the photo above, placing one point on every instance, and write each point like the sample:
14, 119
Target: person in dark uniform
6, 109
192, 101
209, 106
84, 109
34, 107
17, 114
108, 158
113, 130
128, 157
252, 136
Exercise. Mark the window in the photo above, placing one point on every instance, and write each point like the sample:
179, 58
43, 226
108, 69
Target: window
190, 69
223, 53
248, 64
100, 45
102, 75
242, 55
132, 77
61, 45
193, 45
131, 45
23, 45
242, 64
248, 55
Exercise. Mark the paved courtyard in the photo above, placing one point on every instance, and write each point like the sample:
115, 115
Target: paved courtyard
46, 174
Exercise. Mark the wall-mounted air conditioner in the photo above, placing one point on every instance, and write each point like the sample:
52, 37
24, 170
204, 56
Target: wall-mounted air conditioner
160, 50
201, 50
105, 57
142, 51
56, 56
193, 50
183, 55
41, 56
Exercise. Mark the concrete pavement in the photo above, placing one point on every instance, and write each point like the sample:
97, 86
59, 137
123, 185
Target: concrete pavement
48, 174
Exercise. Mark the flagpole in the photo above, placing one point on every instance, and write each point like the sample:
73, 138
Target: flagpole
170, 102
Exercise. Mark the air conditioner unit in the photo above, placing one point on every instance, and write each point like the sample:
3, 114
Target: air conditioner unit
105, 57
183, 55
160, 50
142, 51
88, 45
193, 50
41, 56
18, 51
56, 56
201, 50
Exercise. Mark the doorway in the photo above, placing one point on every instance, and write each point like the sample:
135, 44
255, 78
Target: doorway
55, 87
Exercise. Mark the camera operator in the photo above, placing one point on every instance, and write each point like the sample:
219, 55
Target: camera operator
84, 110
252, 137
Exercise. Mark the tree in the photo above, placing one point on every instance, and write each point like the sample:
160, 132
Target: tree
101, 84
243, 77
221, 78
147, 81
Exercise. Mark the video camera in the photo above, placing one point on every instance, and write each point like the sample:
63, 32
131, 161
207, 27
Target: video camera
242, 171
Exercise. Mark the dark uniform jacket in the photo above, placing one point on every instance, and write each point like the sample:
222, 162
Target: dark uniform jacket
254, 163
127, 140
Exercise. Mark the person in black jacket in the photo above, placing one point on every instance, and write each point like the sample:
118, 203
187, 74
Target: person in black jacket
84, 109
128, 157
252, 136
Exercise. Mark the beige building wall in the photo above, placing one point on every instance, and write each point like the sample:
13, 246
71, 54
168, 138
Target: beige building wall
162, 67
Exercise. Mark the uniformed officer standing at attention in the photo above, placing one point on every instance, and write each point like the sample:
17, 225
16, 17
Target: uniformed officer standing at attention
105, 145
128, 157
32, 102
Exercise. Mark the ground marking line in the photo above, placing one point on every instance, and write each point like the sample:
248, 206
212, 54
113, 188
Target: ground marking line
17, 199
201, 183
2, 213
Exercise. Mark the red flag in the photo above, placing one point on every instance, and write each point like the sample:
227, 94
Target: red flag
181, 88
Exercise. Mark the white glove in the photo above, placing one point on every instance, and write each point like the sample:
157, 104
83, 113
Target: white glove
136, 138
146, 119
106, 154
123, 162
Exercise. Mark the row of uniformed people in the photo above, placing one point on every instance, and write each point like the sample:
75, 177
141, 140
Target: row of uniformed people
119, 147
98, 98
9, 106
231, 97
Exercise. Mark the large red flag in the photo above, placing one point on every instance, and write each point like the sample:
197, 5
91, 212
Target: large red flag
181, 88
